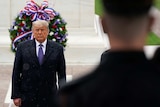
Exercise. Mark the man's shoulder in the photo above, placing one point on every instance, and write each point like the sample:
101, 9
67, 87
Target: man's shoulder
54, 43
25, 43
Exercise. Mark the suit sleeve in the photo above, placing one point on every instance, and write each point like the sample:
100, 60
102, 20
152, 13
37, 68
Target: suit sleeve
61, 69
16, 75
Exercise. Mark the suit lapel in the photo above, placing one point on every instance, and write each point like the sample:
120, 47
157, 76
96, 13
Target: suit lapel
49, 50
32, 50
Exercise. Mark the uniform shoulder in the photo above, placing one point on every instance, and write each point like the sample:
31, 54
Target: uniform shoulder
81, 82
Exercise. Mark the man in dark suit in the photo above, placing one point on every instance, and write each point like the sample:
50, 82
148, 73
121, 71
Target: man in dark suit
126, 78
35, 67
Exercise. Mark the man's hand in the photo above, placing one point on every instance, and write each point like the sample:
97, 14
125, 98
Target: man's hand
17, 101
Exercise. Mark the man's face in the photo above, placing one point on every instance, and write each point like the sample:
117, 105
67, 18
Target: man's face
40, 33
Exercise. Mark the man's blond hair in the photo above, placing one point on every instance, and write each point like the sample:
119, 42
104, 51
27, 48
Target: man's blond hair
40, 23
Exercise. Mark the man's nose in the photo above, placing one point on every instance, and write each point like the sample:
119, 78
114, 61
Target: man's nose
39, 31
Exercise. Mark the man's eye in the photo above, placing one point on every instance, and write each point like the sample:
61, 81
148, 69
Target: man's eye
37, 30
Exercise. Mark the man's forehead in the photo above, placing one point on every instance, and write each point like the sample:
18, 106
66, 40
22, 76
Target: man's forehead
40, 27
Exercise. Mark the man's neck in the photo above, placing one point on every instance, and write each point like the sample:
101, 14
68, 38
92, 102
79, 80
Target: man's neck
121, 45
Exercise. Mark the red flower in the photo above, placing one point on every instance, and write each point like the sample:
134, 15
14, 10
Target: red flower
54, 26
63, 28
19, 30
24, 17
21, 24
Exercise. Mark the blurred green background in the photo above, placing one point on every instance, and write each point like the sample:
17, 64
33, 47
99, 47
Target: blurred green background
152, 38
157, 4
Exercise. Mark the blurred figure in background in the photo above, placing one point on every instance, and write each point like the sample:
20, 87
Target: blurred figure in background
127, 78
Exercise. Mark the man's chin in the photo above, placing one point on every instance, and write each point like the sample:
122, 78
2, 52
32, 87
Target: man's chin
40, 40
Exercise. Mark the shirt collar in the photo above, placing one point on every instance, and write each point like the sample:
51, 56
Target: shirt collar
43, 43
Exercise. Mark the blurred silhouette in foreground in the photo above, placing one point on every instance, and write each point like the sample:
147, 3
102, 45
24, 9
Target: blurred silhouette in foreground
127, 78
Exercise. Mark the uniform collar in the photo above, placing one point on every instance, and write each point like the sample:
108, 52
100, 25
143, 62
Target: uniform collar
125, 56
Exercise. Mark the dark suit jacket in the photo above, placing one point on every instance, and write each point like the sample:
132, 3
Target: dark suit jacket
125, 79
156, 56
35, 83
104, 56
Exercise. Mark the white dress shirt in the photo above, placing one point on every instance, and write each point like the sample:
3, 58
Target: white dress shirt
43, 47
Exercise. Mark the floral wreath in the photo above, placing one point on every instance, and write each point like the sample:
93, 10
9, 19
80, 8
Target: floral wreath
21, 29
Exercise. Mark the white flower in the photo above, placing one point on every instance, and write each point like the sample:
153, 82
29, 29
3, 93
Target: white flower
51, 33
54, 39
60, 29
23, 22
15, 27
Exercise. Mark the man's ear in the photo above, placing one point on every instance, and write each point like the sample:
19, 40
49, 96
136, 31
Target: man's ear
104, 25
151, 22
33, 36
